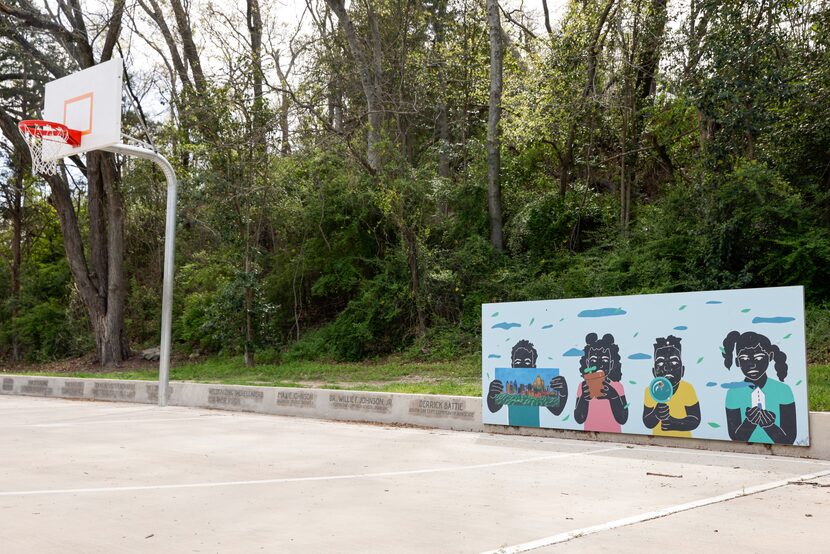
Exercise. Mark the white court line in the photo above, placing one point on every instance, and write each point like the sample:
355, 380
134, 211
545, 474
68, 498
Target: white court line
103, 421
631, 520
300, 479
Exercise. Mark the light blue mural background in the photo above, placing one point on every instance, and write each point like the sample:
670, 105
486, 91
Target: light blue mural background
701, 319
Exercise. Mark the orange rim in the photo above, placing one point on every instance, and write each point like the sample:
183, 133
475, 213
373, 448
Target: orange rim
50, 130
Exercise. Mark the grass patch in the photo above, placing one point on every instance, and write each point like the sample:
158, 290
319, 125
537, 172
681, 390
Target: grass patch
461, 377
818, 376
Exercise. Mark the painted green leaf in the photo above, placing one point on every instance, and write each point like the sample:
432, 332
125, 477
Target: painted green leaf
788, 335
566, 417
637, 333
495, 314
713, 424
722, 350
633, 382
532, 319
626, 406
701, 358
798, 382
745, 310
683, 307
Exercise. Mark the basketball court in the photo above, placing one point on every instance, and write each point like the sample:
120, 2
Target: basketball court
80, 476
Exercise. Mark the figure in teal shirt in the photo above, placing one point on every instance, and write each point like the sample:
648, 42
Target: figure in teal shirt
524, 355
763, 408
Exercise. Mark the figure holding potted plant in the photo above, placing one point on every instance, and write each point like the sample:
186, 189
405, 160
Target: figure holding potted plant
600, 402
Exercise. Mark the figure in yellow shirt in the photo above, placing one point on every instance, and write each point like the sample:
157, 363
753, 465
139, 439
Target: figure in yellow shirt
680, 414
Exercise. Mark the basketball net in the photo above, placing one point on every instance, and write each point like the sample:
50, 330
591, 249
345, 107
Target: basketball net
45, 140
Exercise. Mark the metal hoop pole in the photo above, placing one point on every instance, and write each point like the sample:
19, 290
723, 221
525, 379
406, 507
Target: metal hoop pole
169, 254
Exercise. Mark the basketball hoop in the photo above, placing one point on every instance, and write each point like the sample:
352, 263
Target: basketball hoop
45, 140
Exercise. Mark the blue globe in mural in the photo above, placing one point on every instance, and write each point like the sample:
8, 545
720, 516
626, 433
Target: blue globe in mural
661, 389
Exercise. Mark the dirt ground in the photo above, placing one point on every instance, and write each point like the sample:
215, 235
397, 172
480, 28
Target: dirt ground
85, 364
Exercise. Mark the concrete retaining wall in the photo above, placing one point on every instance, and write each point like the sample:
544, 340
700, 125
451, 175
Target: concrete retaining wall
460, 413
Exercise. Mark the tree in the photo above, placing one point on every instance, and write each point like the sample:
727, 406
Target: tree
493, 131
12, 193
369, 66
100, 277
598, 32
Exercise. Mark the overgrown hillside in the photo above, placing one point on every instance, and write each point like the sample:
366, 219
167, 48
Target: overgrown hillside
356, 184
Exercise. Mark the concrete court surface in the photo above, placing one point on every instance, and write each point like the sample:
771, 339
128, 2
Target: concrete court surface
79, 476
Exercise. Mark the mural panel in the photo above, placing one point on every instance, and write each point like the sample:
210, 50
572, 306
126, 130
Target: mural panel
726, 365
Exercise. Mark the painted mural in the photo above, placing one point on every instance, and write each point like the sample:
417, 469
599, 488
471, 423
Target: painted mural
726, 365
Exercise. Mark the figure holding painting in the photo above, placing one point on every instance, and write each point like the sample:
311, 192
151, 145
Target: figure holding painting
525, 391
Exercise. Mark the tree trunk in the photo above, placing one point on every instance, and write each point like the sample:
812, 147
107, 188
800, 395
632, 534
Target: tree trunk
443, 137
191, 53
118, 345
285, 99
255, 30
594, 47
440, 12
566, 161
642, 95
97, 214
493, 134
649, 58
624, 195
16, 204
369, 78
249, 327
285, 144
415, 274
106, 238
106, 313
335, 100
547, 18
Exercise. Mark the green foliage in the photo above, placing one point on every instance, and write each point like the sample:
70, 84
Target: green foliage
725, 157
143, 320
443, 341
43, 331
818, 379
818, 333
373, 323
48, 325
545, 225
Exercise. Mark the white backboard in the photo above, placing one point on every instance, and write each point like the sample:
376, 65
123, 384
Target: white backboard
88, 101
